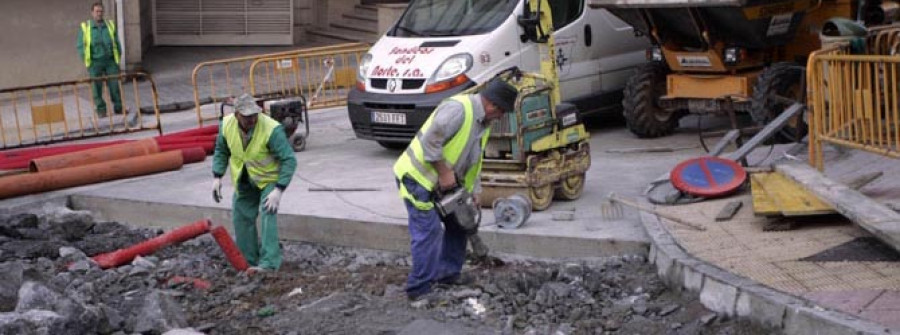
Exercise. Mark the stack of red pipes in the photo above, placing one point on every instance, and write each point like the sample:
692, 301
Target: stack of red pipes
57, 167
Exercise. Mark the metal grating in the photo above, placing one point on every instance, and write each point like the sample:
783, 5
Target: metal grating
223, 22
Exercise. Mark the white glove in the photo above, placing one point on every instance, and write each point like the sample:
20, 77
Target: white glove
217, 189
271, 203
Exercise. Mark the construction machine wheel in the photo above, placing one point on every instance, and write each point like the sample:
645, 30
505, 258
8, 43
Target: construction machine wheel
541, 196
570, 188
298, 142
777, 87
643, 115
393, 145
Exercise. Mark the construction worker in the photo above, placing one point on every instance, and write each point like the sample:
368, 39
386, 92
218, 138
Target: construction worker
99, 48
449, 144
254, 146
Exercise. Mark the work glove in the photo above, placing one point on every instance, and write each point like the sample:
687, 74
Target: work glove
271, 203
217, 189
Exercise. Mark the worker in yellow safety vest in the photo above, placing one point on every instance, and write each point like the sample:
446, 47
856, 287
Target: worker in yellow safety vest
450, 143
256, 150
100, 51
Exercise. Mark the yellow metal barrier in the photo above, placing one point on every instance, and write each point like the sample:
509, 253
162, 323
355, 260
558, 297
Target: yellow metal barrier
65, 111
216, 80
854, 100
324, 78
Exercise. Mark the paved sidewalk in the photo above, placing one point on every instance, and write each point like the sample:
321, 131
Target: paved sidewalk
826, 262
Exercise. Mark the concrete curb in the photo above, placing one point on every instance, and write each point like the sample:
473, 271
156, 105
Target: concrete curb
347, 232
728, 294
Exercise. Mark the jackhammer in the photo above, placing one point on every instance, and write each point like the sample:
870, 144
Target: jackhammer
457, 207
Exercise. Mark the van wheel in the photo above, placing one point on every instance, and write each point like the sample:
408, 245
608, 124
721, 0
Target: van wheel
777, 87
393, 145
643, 116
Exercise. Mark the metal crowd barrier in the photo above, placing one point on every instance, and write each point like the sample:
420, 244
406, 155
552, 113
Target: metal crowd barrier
324, 78
214, 81
854, 100
64, 111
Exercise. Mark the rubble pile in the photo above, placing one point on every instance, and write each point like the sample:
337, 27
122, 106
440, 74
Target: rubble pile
49, 285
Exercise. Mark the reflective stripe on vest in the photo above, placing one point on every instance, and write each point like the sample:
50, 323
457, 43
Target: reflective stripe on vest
86, 37
262, 167
412, 162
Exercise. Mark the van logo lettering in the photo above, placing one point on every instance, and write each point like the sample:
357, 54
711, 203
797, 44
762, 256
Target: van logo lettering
411, 51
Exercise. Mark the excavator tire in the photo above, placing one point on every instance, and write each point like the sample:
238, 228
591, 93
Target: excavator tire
643, 116
785, 80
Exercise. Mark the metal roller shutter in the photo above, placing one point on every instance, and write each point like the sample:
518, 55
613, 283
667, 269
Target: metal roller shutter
223, 22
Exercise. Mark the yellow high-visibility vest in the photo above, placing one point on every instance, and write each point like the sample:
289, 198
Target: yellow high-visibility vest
86, 37
262, 167
412, 162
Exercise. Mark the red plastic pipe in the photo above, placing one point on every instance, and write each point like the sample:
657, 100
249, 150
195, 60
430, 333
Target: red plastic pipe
193, 155
208, 130
126, 255
95, 155
186, 139
45, 151
232, 253
30, 183
208, 147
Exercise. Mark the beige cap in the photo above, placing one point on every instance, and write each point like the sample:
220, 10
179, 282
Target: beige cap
246, 105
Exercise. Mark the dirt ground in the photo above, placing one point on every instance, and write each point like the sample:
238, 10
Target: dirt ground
319, 289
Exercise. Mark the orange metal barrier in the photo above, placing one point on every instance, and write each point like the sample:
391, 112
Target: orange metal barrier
324, 78
854, 100
66, 111
216, 80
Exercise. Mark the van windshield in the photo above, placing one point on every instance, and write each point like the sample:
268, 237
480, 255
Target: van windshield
452, 17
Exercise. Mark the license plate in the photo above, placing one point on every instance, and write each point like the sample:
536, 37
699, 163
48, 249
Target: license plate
703, 105
390, 118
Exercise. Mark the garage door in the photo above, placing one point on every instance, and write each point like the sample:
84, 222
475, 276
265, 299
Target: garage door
223, 22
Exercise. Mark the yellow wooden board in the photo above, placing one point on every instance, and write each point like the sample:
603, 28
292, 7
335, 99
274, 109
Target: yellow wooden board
775, 194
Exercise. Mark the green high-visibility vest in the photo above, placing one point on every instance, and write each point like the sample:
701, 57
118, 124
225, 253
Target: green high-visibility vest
86, 36
412, 162
262, 167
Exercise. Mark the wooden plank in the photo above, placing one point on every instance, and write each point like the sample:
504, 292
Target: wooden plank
784, 196
869, 214
47, 114
763, 204
766, 132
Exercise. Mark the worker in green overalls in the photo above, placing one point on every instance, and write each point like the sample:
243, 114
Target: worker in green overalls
99, 49
256, 150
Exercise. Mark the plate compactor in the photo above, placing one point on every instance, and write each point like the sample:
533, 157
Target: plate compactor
540, 150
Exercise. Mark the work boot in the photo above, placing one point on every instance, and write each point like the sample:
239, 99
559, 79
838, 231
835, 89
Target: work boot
462, 279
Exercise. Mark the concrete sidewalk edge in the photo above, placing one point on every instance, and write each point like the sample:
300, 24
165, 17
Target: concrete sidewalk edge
734, 296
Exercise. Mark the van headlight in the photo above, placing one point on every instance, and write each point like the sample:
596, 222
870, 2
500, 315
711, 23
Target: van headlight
364, 67
452, 67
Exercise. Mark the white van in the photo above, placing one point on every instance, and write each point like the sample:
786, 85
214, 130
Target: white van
439, 48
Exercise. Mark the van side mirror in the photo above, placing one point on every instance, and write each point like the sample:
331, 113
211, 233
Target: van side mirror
531, 23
